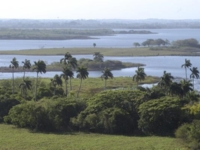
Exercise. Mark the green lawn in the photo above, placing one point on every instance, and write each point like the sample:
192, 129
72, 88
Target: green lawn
13, 138
109, 51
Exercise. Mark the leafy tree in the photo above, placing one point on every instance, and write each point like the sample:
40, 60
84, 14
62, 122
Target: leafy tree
186, 65
139, 76
24, 86
136, 44
159, 42
94, 44
66, 74
39, 67
56, 81
14, 64
113, 112
194, 74
82, 74
161, 116
98, 57
106, 73
26, 65
148, 42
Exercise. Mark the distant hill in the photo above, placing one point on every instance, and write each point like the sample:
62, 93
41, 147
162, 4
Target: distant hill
107, 23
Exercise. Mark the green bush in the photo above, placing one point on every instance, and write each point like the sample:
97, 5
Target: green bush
161, 116
190, 134
114, 112
45, 115
5, 106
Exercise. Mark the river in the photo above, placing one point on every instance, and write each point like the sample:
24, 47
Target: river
117, 41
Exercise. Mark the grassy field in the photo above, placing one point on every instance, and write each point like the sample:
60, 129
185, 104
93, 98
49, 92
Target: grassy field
109, 51
90, 86
13, 138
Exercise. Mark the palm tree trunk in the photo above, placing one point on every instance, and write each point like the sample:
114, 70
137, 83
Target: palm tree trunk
13, 81
66, 91
105, 84
24, 75
70, 84
193, 83
186, 73
79, 88
36, 87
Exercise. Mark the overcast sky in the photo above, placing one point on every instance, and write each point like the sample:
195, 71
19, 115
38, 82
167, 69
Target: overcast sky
100, 9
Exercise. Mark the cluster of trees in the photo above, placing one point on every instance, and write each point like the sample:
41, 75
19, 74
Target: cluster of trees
186, 42
152, 42
68, 64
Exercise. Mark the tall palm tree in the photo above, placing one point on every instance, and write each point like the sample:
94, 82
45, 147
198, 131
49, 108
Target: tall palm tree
67, 56
166, 81
26, 65
56, 81
98, 57
39, 67
14, 64
106, 74
82, 74
139, 76
186, 65
24, 86
194, 74
67, 73
71, 62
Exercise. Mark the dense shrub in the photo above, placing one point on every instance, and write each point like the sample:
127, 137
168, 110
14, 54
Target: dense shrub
161, 116
5, 106
190, 134
113, 112
45, 115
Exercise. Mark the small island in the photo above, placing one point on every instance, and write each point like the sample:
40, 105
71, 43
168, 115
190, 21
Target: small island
61, 34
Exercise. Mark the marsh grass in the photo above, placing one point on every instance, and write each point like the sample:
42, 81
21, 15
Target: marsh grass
142, 51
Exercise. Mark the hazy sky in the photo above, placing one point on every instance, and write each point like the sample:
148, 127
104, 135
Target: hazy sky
100, 9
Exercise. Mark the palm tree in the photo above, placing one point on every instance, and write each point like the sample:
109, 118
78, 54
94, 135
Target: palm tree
71, 61
56, 81
106, 74
67, 56
82, 74
166, 81
194, 74
186, 86
26, 65
98, 57
66, 74
39, 67
14, 64
24, 86
186, 65
139, 76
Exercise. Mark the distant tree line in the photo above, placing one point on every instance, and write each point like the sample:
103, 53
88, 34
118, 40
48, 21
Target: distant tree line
161, 42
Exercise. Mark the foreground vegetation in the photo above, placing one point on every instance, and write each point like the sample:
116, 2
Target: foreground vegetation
13, 138
167, 109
